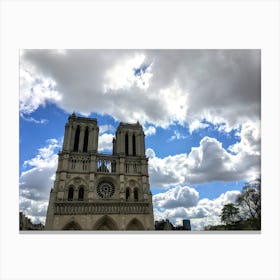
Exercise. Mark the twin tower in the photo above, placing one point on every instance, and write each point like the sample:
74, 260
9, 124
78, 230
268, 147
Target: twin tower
94, 191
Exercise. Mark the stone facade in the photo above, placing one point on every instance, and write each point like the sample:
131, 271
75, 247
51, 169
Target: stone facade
94, 191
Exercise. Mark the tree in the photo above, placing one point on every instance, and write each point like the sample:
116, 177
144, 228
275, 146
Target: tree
230, 214
245, 213
250, 203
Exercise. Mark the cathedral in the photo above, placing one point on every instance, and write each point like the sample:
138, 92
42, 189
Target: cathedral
94, 191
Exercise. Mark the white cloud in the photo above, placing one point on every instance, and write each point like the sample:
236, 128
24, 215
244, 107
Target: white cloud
105, 142
176, 197
250, 135
204, 212
150, 153
208, 162
46, 156
35, 210
105, 128
35, 183
30, 119
122, 74
36, 91
168, 171
195, 125
176, 136
150, 130
160, 87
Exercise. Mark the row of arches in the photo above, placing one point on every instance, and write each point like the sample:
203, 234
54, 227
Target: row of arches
106, 223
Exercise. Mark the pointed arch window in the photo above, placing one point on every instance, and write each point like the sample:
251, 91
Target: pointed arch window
85, 147
127, 194
81, 193
70, 193
135, 194
133, 145
76, 142
126, 144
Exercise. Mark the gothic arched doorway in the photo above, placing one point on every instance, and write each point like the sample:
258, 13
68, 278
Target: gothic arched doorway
72, 226
135, 224
105, 223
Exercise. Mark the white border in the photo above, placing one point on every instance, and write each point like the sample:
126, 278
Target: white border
156, 24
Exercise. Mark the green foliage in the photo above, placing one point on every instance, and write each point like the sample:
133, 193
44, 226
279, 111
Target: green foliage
245, 213
229, 214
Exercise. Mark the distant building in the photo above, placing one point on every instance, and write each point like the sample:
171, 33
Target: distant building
26, 224
187, 224
163, 225
167, 225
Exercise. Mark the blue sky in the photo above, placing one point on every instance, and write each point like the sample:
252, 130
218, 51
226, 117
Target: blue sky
200, 110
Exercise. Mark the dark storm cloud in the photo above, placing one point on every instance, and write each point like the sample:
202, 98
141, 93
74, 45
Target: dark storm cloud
216, 85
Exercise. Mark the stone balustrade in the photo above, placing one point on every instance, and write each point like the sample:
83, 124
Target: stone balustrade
82, 208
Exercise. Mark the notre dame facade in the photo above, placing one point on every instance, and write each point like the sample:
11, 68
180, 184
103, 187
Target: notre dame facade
94, 191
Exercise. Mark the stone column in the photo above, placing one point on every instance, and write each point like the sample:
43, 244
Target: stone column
120, 141
76, 190
95, 139
65, 160
66, 136
122, 187
90, 139
144, 167
121, 165
93, 163
137, 140
142, 144
69, 135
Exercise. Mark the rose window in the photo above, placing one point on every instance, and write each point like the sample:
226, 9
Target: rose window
105, 190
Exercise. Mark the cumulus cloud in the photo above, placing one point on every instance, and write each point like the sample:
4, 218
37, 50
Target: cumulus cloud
223, 85
106, 128
209, 161
128, 73
196, 124
176, 197
35, 210
35, 91
36, 182
150, 153
168, 171
250, 136
204, 212
46, 156
150, 130
105, 142
160, 87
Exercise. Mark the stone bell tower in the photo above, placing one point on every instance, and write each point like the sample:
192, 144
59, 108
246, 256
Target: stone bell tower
94, 191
